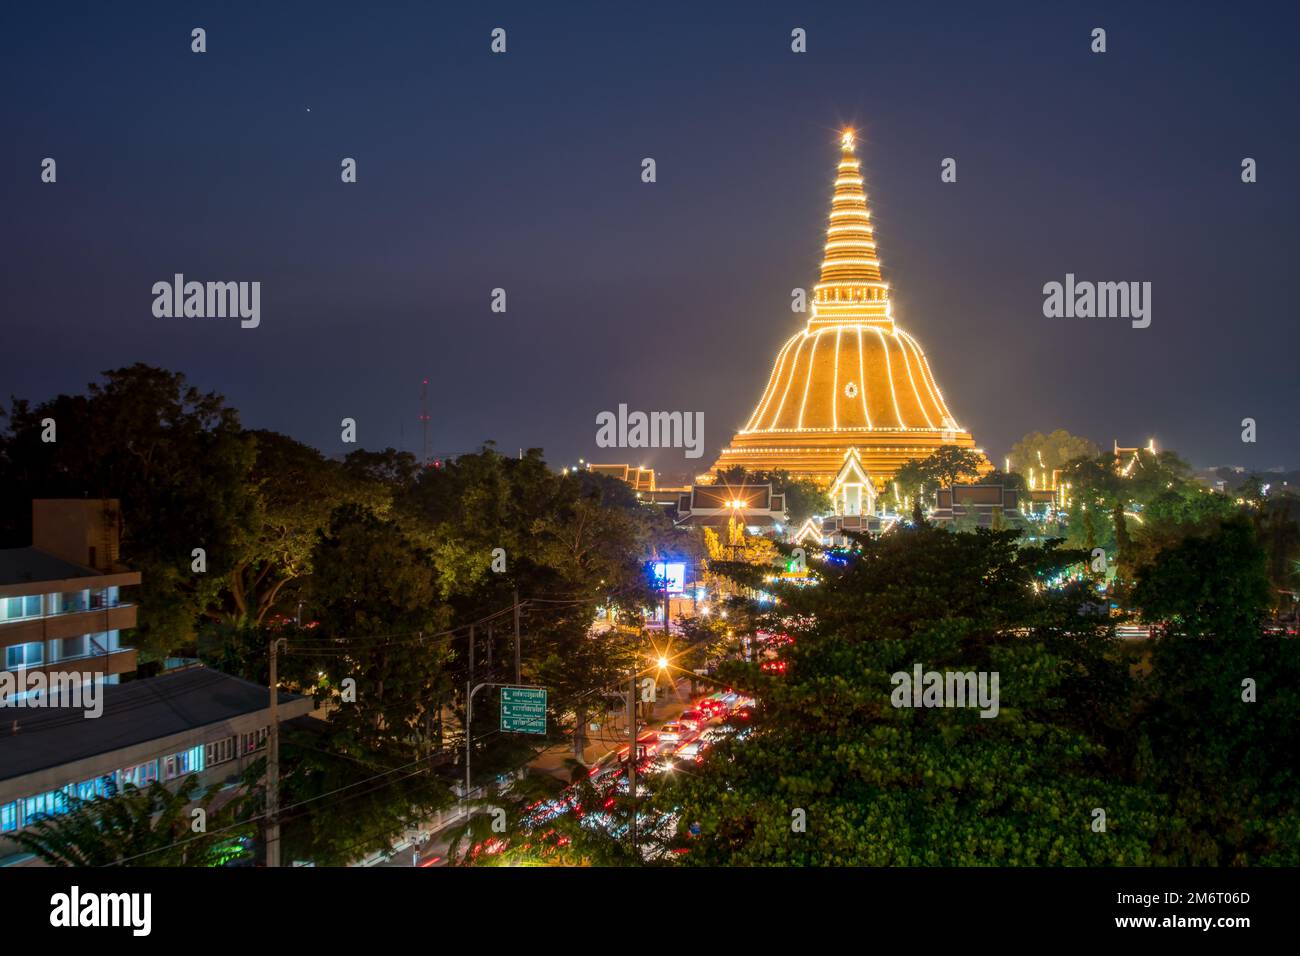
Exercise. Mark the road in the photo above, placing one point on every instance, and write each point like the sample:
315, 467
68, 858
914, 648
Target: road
554, 760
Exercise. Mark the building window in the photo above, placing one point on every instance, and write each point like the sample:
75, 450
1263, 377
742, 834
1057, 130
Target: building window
92, 788
103, 597
141, 775
8, 817
185, 762
18, 608
24, 655
221, 751
72, 601
45, 805
251, 743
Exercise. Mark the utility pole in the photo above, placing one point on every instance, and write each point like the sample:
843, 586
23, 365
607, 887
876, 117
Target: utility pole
631, 753
665, 599
469, 738
273, 765
518, 673
471, 653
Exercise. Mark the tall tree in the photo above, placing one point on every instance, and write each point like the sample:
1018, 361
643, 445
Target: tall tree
295, 489
1045, 453
179, 463
380, 667
950, 464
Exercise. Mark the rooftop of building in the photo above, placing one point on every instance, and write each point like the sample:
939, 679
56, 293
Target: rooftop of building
134, 713
25, 565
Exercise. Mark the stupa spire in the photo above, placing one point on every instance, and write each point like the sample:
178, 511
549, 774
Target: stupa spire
851, 289
849, 383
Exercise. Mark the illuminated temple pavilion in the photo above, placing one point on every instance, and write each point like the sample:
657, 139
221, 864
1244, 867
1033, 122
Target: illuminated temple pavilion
851, 378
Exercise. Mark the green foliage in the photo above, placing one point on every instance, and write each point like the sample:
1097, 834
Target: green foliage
295, 489
1214, 584
1185, 770
153, 826
950, 464
177, 460
1045, 453
1279, 533
803, 496
1007, 479
375, 660
571, 542
886, 786
910, 481
917, 479
390, 468
1228, 765
524, 841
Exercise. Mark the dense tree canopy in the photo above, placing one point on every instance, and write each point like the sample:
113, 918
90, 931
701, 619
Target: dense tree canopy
881, 785
1045, 453
918, 478
1185, 768
178, 461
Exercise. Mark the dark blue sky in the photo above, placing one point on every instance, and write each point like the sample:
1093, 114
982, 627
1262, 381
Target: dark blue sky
523, 171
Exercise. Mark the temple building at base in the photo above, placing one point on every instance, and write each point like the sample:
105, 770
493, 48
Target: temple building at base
851, 379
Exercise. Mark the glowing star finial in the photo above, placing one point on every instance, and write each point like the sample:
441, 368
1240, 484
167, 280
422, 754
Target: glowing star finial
847, 140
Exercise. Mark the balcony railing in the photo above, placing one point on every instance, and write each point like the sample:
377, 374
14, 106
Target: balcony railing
89, 609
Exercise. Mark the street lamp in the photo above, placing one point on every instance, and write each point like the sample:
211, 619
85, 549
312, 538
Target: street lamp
735, 524
661, 664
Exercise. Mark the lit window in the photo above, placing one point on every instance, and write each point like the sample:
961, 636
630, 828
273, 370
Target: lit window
24, 655
17, 608
72, 601
220, 752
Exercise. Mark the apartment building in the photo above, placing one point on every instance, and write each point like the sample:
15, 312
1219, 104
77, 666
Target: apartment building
190, 721
63, 607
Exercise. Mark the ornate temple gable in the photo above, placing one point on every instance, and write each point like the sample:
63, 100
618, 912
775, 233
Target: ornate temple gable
852, 491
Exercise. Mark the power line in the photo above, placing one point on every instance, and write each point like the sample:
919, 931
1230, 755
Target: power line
217, 676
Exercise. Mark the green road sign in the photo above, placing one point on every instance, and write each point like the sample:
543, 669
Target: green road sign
523, 710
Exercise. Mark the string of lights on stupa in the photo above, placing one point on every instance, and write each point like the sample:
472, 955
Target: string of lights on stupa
850, 378
853, 297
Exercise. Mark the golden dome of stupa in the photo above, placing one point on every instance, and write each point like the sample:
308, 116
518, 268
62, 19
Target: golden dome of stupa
850, 378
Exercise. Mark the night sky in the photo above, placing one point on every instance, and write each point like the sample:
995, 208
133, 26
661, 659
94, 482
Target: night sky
522, 171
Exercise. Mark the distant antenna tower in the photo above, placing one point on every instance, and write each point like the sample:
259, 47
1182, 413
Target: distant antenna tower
424, 419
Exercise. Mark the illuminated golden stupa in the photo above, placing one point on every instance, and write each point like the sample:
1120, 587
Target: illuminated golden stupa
851, 378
